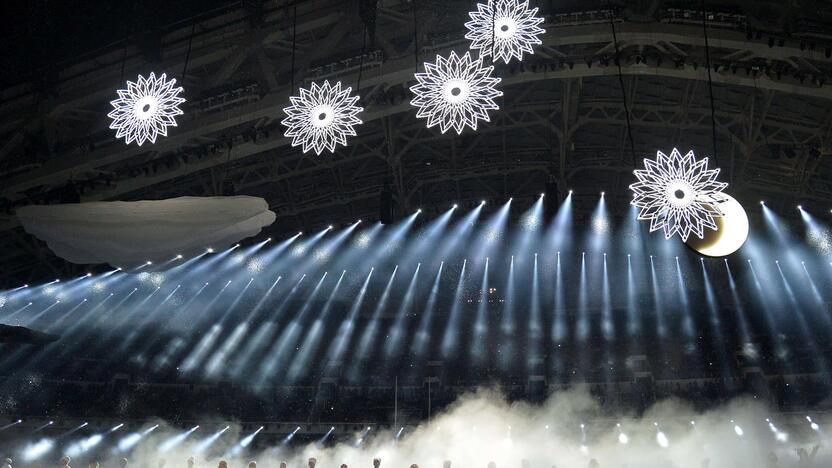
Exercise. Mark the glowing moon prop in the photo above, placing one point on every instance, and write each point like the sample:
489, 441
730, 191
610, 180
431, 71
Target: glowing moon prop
731, 233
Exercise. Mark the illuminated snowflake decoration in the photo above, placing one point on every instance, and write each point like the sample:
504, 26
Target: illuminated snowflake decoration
509, 28
322, 117
146, 109
678, 194
455, 92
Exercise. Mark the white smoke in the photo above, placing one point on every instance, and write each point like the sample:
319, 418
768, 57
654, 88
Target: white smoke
484, 427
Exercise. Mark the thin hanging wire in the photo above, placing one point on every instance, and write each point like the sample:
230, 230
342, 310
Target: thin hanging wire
710, 79
415, 37
188, 54
294, 43
361, 61
621, 83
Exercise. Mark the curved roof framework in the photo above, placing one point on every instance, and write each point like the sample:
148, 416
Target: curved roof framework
563, 117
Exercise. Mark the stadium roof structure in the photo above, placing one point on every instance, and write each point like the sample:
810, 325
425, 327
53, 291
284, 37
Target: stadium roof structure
612, 83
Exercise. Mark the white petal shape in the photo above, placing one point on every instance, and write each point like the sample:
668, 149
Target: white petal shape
455, 92
146, 109
508, 27
678, 194
322, 117
127, 234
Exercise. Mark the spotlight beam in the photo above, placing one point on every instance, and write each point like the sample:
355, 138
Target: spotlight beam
309, 348
450, 339
368, 337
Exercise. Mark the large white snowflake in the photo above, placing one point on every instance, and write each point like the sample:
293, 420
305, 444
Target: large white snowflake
678, 194
508, 27
146, 109
455, 92
322, 117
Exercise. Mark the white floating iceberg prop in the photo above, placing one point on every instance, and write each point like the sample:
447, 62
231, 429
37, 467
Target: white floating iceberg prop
129, 234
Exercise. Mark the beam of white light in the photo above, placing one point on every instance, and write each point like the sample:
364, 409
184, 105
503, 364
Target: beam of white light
204, 444
290, 436
662, 440
506, 358
422, 338
347, 328
460, 232
11, 424
37, 450
607, 326
276, 358
323, 439
450, 339
394, 344
309, 348
84, 445
661, 328
176, 440
477, 348
368, 338
249, 438
582, 325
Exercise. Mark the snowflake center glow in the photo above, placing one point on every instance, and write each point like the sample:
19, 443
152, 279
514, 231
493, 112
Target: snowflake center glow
504, 28
456, 91
322, 116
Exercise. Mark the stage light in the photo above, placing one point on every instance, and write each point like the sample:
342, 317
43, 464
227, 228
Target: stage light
34, 451
11, 424
290, 436
176, 440
662, 439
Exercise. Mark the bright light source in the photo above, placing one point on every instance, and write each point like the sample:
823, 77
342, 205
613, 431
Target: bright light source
34, 451
662, 440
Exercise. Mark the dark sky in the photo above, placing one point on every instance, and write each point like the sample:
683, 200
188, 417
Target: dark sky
36, 34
